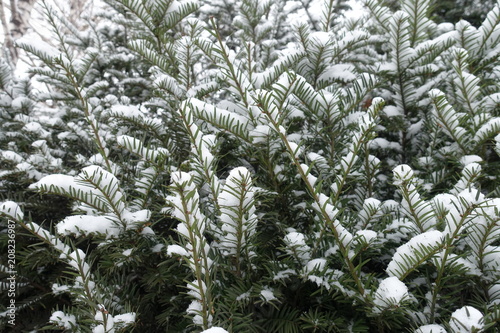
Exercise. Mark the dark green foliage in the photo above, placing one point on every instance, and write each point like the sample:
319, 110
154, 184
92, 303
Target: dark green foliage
254, 166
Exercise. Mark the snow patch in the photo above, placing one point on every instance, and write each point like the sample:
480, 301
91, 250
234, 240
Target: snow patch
268, 295
466, 319
61, 319
390, 292
85, 225
429, 239
12, 209
215, 330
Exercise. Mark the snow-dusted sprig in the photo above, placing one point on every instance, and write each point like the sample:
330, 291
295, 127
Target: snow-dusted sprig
131, 115
221, 56
71, 77
226, 120
414, 253
357, 91
184, 202
369, 214
449, 121
152, 164
84, 288
296, 246
467, 319
481, 43
264, 79
316, 104
467, 84
461, 214
99, 193
158, 18
419, 22
482, 230
318, 48
94, 187
470, 174
330, 8
401, 56
237, 208
391, 293
253, 22
417, 209
188, 54
271, 108
136, 146
203, 161
366, 127
379, 13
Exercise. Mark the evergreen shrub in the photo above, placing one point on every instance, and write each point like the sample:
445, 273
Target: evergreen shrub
253, 166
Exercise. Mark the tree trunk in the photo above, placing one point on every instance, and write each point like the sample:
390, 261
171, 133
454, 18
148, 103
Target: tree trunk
20, 13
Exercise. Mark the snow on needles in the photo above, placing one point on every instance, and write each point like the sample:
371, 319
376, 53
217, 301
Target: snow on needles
12, 209
79, 225
62, 319
215, 330
415, 247
466, 319
390, 292
402, 173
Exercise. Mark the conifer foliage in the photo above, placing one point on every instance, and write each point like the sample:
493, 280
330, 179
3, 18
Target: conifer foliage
250, 166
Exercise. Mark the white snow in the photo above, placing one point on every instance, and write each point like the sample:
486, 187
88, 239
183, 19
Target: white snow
126, 111
217, 115
318, 264
136, 146
99, 329
79, 186
390, 292
466, 319
491, 259
195, 308
134, 218
487, 129
61, 319
497, 145
12, 209
296, 242
85, 225
281, 275
59, 289
429, 239
494, 292
126, 318
392, 111
260, 133
296, 149
342, 72
178, 250
267, 294
19, 102
33, 42
402, 173
471, 196
321, 38
243, 296
12, 156
157, 248
235, 198
215, 330
366, 235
